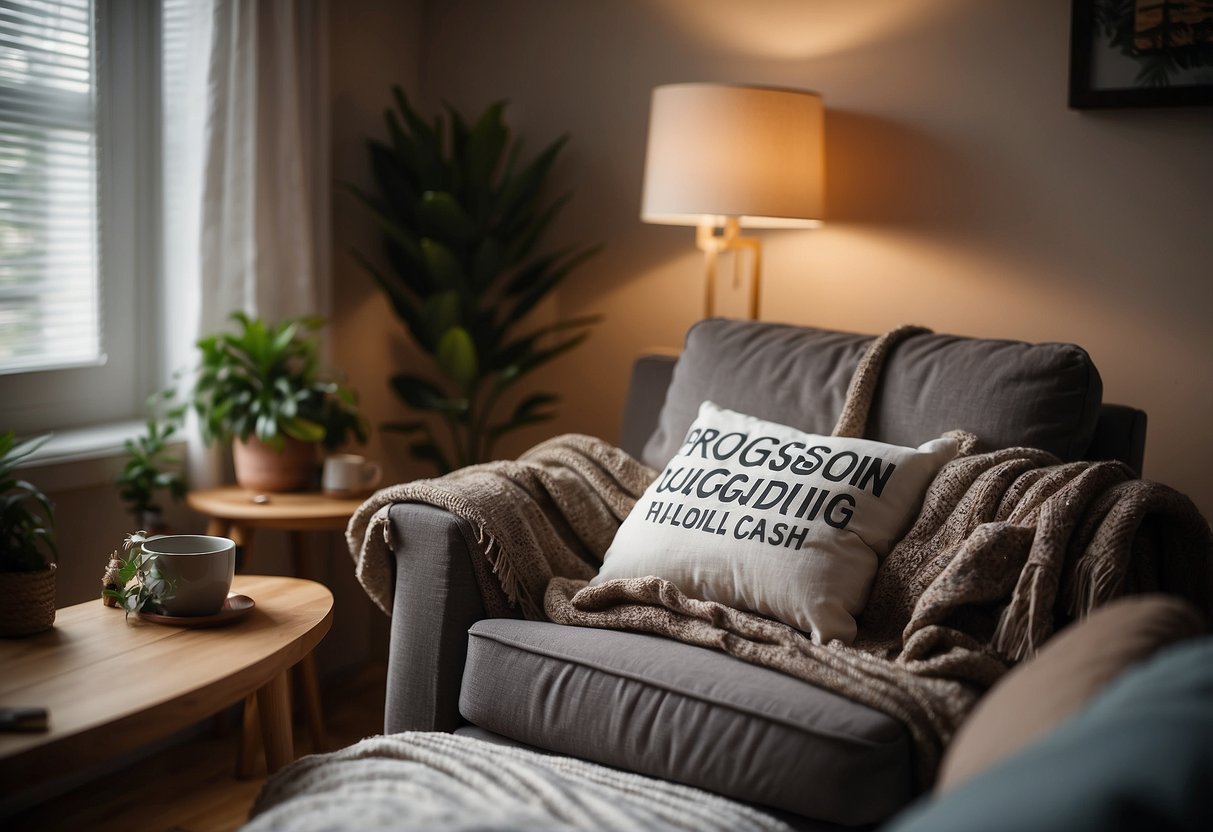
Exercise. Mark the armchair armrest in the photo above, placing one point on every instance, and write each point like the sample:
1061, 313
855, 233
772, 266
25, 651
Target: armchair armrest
436, 600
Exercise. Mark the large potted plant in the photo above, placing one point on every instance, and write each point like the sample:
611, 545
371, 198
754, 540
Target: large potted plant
462, 216
27, 546
262, 388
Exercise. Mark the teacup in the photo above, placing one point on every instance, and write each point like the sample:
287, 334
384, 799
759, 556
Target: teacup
347, 475
198, 566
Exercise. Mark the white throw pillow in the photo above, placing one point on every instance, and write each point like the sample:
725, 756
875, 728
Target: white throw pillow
767, 518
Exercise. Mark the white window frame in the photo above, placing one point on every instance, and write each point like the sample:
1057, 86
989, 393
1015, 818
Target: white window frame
128, 140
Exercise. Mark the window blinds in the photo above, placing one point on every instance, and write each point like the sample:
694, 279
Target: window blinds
49, 277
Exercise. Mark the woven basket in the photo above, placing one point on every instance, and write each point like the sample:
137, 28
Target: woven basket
27, 602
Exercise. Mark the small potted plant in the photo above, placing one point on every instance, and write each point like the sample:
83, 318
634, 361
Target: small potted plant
262, 388
27, 546
132, 580
150, 469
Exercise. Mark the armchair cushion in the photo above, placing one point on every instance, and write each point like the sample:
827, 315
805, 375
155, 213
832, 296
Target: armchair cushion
1007, 393
686, 714
767, 518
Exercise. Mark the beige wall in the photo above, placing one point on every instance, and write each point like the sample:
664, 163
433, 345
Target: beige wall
963, 194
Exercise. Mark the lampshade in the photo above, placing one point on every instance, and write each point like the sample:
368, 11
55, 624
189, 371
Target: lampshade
720, 151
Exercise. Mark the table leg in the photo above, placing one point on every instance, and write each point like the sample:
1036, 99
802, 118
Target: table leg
274, 705
312, 704
217, 527
307, 665
250, 729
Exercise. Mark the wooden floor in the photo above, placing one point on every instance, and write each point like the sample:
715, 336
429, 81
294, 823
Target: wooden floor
191, 787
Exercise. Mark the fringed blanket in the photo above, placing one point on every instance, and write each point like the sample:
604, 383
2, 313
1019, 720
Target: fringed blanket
1009, 546
441, 781
552, 512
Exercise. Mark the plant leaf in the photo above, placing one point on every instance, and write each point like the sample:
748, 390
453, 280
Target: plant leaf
456, 356
440, 214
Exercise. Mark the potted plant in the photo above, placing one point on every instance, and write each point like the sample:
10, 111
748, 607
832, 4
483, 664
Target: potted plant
149, 468
262, 388
462, 216
27, 546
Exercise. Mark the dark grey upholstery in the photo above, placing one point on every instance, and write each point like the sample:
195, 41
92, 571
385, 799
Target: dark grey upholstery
431, 613
682, 713
436, 598
1005, 392
1120, 430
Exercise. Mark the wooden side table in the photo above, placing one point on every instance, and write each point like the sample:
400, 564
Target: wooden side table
112, 684
237, 513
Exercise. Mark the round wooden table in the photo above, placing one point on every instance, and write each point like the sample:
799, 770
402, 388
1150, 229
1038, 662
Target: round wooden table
112, 683
237, 513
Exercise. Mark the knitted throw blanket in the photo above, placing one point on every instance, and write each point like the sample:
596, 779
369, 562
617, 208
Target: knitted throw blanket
552, 512
1008, 547
438, 781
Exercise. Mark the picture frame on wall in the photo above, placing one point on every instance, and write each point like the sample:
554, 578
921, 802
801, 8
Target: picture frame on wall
1141, 53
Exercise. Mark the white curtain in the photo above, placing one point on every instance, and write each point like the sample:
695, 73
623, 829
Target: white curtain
246, 169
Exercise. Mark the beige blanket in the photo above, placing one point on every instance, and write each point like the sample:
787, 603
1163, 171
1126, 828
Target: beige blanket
551, 512
434, 781
1008, 546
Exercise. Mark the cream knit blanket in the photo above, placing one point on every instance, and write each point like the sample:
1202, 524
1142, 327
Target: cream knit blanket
1008, 547
436, 781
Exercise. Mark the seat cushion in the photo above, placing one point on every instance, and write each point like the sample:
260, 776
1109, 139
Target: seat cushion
1007, 393
686, 714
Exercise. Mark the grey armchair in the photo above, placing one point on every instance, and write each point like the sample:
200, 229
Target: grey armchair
685, 713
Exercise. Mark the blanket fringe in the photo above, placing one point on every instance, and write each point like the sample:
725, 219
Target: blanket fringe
1095, 581
1023, 625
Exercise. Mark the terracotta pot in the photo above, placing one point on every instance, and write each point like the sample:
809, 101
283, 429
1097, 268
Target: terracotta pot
27, 602
261, 468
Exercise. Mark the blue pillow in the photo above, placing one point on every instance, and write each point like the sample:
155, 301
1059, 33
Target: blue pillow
1140, 757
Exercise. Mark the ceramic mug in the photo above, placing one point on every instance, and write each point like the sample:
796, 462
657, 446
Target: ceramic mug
348, 474
199, 567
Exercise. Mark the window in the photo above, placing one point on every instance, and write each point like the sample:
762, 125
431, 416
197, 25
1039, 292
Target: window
79, 210
48, 187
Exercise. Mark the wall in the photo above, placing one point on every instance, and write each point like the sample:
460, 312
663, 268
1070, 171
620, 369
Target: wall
963, 194
374, 44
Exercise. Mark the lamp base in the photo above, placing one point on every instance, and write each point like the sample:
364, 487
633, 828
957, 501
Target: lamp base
713, 238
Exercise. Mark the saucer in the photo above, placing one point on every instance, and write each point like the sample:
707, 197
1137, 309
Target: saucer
234, 608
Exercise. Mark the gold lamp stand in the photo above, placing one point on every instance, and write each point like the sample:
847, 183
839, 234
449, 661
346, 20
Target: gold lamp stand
712, 239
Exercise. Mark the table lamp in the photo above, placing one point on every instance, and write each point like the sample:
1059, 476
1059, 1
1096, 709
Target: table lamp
724, 156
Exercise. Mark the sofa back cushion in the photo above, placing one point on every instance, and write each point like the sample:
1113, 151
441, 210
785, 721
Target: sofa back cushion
1007, 393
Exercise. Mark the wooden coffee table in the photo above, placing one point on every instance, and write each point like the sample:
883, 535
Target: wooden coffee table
113, 684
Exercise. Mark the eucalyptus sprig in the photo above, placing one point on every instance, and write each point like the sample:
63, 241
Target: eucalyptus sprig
133, 580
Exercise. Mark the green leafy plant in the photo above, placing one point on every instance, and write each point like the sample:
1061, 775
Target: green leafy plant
149, 467
27, 516
462, 216
133, 581
265, 381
